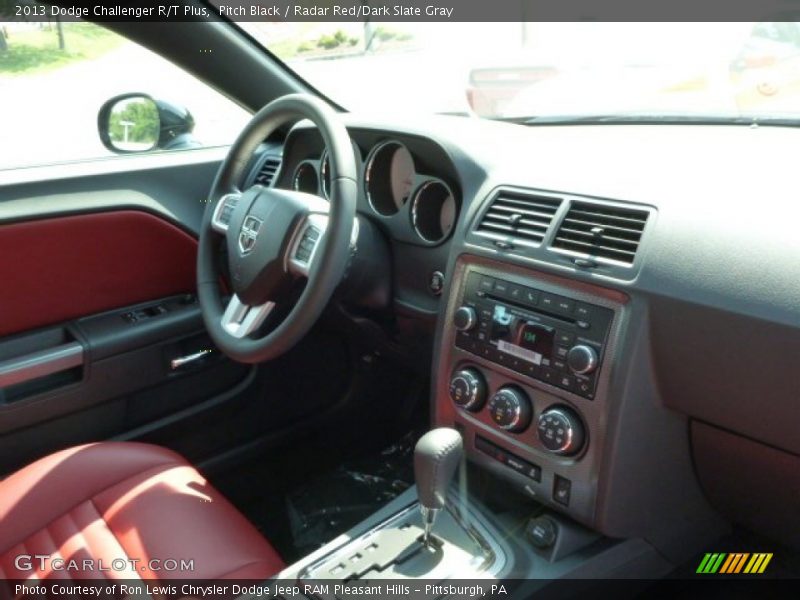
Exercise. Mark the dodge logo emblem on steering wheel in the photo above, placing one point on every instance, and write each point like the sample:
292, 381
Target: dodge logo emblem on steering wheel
249, 234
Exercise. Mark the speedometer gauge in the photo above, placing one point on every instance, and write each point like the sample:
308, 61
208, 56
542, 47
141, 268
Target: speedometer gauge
401, 176
389, 177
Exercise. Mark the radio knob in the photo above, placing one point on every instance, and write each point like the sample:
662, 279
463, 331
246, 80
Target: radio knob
511, 409
561, 431
465, 318
468, 389
582, 359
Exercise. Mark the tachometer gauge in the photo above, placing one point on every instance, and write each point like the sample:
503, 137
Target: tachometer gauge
305, 178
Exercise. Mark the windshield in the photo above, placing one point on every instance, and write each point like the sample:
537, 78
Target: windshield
526, 70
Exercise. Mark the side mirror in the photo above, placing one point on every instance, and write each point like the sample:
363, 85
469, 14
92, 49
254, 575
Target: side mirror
136, 122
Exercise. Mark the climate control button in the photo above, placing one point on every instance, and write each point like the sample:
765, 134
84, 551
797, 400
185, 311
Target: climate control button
468, 389
561, 431
511, 409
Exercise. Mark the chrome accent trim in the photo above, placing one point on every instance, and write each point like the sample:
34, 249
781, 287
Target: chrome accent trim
472, 318
414, 208
368, 173
428, 519
566, 448
514, 394
240, 320
591, 353
40, 364
463, 514
177, 363
474, 386
248, 234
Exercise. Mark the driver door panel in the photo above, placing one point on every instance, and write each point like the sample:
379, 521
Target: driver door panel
97, 301
70, 266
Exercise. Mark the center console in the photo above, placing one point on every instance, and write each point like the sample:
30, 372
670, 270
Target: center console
524, 362
523, 370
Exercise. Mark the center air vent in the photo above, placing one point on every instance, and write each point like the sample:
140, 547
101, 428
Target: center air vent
603, 232
518, 217
267, 171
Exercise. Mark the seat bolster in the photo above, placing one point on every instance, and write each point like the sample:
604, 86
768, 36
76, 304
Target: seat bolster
52, 486
138, 502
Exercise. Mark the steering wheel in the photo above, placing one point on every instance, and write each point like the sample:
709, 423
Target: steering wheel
274, 237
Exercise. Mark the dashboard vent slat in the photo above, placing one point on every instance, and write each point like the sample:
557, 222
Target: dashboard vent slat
603, 232
267, 171
518, 217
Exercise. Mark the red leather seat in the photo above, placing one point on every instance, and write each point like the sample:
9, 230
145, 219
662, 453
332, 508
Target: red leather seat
118, 502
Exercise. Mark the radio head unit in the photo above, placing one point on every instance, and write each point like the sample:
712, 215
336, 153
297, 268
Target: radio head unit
545, 336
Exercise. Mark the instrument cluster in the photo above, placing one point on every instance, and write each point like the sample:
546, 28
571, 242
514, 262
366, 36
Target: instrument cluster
394, 186
397, 187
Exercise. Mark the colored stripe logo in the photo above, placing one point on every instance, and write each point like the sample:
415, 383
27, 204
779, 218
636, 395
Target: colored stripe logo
734, 563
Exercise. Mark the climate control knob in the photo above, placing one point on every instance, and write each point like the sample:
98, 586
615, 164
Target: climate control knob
468, 389
561, 431
511, 409
582, 359
465, 318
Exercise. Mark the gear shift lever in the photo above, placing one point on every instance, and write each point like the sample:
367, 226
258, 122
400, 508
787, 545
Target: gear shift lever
436, 457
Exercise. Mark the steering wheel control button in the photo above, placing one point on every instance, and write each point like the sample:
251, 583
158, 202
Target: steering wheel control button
224, 211
307, 244
465, 318
511, 409
582, 359
562, 488
561, 431
227, 210
468, 389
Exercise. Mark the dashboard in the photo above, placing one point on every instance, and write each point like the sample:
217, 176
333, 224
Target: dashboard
409, 188
618, 315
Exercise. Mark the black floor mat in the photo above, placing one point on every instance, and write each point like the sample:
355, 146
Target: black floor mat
339, 499
301, 509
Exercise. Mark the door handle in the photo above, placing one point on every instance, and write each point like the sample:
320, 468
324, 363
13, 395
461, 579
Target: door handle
181, 361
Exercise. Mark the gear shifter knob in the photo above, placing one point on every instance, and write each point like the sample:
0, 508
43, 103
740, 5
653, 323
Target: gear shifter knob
436, 458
